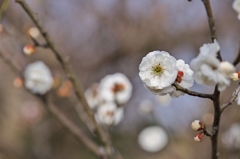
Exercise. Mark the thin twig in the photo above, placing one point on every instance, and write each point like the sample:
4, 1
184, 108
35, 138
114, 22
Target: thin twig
3, 8
73, 128
192, 93
233, 98
216, 94
237, 59
70, 74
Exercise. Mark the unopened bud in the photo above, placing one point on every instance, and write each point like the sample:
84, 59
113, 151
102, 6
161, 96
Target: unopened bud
199, 137
197, 125
34, 32
226, 68
235, 76
28, 49
18, 82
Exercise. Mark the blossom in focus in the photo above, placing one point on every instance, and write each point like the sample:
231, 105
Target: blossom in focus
34, 32
116, 87
158, 72
236, 7
206, 67
38, 78
109, 114
93, 96
184, 78
153, 139
28, 50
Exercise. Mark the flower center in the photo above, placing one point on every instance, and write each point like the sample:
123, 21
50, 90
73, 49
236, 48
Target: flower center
157, 70
118, 87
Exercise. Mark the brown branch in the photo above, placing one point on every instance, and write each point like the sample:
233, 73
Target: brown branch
70, 74
192, 93
211, 23
216, 94
237, 59
233, 98
3, 8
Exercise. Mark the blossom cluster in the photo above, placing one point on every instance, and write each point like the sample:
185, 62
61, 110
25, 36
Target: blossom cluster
159, 71
108, 97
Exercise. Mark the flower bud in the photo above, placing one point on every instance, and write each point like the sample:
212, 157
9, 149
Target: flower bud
197, 125
34, 32
226, 68
199, 137
18, 82
235, 76
28, 49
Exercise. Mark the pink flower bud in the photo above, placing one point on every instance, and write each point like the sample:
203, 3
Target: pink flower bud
28, 49
199, 137
197, 125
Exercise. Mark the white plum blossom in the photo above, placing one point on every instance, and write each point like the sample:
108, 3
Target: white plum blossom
109, 114
184, 78
116, 87
93, 96
236, 7
158, 72
38, 78
153, 139
206, 67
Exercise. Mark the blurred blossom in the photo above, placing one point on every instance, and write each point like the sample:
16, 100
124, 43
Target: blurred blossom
208, 68
65, 89
208, 118
18, 82
34, 32
31, 112
1, 27
38, 78
28, 49
236, 7
231, 138
153, 139
93, 96
164, 100
109, 114
145, 107
116, 87
158, 72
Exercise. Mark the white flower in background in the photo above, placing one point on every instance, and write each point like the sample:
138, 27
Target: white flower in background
145, 107
231, 138
236, 7
93, 96
153, 139
235, 76
206, 67
226, 68
158, 72
164, 100
34, 32
109, 114
116, 87
184, 78
38, 78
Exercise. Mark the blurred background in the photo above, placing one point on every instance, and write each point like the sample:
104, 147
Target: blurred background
102, 37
